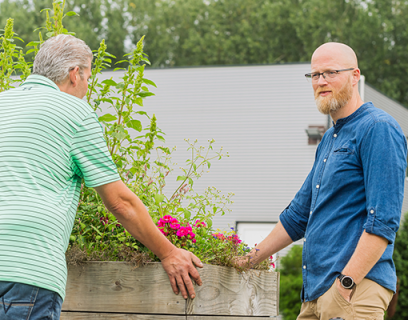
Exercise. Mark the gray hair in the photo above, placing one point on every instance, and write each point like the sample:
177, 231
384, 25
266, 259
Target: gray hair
59, 55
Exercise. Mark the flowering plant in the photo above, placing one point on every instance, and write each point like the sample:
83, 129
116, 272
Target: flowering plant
185, 217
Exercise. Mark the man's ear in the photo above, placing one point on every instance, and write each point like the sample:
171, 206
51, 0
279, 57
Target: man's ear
74, 76
356, 76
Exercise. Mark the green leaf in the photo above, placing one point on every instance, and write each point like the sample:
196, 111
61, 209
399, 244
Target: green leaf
107, 118
119, 136
71, 13
187, 214
179, 178
82, 225
139, 101
110, 82
72, 238
93, 227
110, 55
190, 181
135, 124
209, 223
208, 164
33, 44
149, 82
145, 94
158, 198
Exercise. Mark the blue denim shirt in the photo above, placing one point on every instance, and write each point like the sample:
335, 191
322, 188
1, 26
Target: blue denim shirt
356, 184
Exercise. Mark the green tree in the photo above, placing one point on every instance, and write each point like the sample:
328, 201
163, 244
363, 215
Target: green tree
401, 263
291, 283
236, 32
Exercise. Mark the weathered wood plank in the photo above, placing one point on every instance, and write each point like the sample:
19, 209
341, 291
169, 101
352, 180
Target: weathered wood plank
225, 292
226, 318
116, 316
118, 287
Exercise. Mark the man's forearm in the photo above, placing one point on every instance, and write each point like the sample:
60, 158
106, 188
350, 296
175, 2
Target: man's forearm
139, 224
275, 241
369, 250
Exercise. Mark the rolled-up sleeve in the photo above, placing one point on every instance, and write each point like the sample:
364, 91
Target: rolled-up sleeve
296, 215
384, 160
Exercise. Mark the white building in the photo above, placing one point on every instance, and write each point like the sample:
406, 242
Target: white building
259, 114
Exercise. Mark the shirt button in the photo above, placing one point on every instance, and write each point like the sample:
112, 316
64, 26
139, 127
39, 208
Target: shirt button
304, 267
324, 160
371, 211
335, 135
311, 212
305, 240
317, 187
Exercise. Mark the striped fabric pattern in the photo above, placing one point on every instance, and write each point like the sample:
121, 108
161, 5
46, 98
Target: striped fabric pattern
49, 142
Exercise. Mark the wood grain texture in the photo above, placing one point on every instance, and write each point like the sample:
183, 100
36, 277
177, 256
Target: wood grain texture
227, 318
118, 287
225, 292
116, 316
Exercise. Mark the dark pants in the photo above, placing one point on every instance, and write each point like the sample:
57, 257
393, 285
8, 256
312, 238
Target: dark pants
24, 302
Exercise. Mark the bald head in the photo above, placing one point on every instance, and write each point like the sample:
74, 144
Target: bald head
335, 53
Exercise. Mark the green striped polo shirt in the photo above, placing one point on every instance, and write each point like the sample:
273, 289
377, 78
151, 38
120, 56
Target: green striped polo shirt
49, 142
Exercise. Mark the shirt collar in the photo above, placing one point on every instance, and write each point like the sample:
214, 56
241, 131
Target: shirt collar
41, 80
343, 121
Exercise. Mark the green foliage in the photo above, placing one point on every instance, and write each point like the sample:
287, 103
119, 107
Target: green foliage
224, 32
141, 163
401, 263
291, 283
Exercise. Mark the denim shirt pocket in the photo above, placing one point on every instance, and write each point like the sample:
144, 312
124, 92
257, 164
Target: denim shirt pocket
343, 150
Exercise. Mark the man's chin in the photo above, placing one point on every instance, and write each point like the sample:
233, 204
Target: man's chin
323, 106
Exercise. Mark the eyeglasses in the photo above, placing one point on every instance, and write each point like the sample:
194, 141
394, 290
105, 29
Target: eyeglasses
327, 75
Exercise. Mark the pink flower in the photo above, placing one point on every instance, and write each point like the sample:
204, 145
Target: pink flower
186, 231
194, 241
199, 224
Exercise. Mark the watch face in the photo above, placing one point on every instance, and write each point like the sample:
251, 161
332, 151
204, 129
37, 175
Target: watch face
347, 282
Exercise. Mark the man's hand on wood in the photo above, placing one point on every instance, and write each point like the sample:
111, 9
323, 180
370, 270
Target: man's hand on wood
180, 266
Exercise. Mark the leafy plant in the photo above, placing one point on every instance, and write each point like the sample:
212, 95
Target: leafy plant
141, 162
401, 264
291, 283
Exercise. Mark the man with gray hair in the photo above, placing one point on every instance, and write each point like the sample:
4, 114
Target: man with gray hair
50, 140
349, 207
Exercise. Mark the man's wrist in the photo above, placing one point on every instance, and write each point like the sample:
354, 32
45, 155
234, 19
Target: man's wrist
347, 282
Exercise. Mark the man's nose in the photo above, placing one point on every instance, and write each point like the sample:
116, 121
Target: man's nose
322, 81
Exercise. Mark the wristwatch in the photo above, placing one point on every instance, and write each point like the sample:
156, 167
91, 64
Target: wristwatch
346, 281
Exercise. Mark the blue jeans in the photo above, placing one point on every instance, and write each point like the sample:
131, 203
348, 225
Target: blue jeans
20, 301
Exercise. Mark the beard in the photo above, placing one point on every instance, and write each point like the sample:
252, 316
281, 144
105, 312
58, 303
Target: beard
336, 101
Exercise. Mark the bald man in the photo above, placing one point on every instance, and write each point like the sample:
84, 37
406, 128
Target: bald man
348, 209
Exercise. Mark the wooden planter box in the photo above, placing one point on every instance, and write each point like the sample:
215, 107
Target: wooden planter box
116, 290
